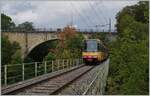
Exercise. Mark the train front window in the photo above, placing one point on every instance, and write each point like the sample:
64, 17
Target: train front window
91, 45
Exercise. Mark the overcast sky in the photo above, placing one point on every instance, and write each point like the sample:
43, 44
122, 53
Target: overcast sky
53, 14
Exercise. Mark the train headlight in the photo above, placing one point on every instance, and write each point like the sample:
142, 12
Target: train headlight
84, 56
94, 56
89, 56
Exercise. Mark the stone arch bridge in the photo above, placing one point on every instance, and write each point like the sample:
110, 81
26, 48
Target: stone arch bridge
29, 40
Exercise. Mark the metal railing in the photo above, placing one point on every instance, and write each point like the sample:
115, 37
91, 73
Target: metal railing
81, 30
13, 73
93, 83
98, 84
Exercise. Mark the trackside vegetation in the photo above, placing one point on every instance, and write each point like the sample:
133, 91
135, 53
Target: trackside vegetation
68, 47
129, 63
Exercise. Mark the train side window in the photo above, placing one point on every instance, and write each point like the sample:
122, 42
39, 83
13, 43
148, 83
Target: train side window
99, 46
103, 49
84, 46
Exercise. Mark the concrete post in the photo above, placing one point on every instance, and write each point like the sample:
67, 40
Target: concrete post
35, 69
45, 67
58, 64
5, 74
22, 71
63, 63
70, 62
67, 63
52, 65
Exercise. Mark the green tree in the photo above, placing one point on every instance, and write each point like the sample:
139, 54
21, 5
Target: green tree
75, 42
16, 58
50, 56
139, 12
26, 26
6, 22
8, 50
101, 36
75, 45
71, 47
128, 72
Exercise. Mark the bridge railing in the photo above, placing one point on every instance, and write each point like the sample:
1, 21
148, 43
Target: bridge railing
13, 73
98, 84
81, 30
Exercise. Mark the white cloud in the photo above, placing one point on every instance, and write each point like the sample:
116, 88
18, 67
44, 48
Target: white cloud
58, 13
25, 16
54, 11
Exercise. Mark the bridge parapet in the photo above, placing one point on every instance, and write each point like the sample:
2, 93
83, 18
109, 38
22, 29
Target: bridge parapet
94, 86
57, 30
14, 73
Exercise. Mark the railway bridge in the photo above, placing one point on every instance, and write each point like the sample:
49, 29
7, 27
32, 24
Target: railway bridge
60, 76
28, 40
63, 76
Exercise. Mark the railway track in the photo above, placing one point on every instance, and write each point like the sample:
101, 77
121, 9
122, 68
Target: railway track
53, 85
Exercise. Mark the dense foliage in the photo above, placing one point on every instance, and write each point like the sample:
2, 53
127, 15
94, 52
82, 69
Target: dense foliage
69, 46
25, 26
10, 51
129, 67
101, 36
6, 22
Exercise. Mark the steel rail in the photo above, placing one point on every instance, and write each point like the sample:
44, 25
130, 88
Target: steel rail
71, 81
85, 92
14, 87
49, 79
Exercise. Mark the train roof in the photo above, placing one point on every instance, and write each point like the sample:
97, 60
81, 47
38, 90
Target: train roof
98, 41
93, 39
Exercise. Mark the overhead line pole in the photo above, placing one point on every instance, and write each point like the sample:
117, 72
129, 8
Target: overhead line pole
110, 25
72, 19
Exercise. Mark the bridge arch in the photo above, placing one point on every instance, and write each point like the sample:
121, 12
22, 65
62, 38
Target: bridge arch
39, 43
40, 50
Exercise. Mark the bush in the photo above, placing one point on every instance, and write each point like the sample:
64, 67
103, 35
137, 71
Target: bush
129, 57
